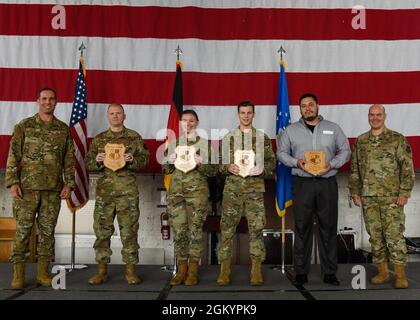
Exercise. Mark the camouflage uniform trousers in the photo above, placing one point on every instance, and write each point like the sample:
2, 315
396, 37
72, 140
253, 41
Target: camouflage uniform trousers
234, 204
126, 208
187, 212
47, 204
385, 224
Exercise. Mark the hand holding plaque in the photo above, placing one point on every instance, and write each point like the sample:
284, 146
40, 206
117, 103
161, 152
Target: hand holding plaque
315, 162
185, 160
114, 156
245, 160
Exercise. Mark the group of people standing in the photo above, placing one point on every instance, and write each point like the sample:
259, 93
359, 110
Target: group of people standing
40, 173
188, 197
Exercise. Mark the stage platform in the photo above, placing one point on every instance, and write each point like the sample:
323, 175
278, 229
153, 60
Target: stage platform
155, 285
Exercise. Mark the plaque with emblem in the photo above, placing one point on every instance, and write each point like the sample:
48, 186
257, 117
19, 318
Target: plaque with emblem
315, 161
245, 160
114, 156
185, 160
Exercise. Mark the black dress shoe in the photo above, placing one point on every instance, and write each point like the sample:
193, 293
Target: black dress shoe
331, 279
301, 279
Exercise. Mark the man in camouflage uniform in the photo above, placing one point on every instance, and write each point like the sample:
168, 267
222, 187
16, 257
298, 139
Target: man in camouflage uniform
188, 200
117, 194
244, 194
41, 153
381, 180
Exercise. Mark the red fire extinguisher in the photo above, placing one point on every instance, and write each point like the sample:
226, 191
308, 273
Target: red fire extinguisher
165, 228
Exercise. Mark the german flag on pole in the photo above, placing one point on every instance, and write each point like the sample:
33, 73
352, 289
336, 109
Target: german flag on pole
177, 106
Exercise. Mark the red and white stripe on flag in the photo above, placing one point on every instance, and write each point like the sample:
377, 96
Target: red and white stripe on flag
230, 55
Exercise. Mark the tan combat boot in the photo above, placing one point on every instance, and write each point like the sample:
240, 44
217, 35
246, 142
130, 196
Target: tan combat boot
256, 274
181, 273
224, 276
192, 278
101, 276
383, 274
43, 276
130, 274
18, 280
401, 281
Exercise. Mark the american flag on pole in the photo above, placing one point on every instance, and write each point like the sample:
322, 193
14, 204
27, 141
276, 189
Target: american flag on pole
230, 55
80, 194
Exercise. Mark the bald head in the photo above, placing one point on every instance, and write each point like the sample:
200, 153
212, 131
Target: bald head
377, 107
116, 117
116, 105
377, 118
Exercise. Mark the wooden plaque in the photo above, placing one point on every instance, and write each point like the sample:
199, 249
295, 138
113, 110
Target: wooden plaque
315, 161
185, 160
245, 160
114, 156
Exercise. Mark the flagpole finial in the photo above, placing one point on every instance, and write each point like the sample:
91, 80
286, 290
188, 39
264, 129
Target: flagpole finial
281, 51
178, 52
81, 48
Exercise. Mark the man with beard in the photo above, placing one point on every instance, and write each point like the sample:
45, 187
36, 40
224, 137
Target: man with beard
315, 196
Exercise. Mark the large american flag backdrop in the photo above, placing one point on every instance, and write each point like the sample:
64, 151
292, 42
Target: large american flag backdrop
230, 54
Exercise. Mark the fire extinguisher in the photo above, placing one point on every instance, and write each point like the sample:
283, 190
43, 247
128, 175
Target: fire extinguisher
165, 228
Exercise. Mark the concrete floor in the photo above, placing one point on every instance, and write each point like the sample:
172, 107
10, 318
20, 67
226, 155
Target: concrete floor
155, 285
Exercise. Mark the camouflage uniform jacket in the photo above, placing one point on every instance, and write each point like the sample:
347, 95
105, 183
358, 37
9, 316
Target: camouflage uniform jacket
40, 154
124, 178
196, 178
381, 166
236, 140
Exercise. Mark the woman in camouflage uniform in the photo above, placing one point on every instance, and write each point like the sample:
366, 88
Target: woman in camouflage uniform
188, 199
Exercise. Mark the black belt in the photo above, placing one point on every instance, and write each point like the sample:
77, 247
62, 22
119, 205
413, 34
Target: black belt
314, 178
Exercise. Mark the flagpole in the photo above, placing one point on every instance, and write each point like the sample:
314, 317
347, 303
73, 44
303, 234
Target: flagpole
73, 266
73, 239
283, 240
283, 218
281, 210
173, 268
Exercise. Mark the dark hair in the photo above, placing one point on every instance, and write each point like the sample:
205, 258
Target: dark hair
47, 89
308, 95
246, 104
189, 111
116, 105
